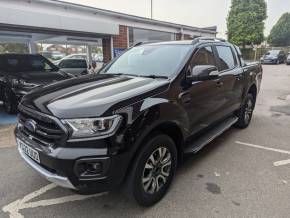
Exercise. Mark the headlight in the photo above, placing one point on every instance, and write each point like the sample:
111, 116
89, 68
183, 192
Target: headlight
18, 81
93, 127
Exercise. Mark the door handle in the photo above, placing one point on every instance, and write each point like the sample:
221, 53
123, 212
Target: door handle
219, 84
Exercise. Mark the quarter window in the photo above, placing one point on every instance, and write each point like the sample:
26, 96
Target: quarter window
204, 56
226, 58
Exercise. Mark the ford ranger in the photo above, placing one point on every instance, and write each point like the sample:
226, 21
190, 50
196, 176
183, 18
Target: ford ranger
133, 122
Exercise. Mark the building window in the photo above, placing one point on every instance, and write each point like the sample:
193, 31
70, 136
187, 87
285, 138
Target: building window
144, 35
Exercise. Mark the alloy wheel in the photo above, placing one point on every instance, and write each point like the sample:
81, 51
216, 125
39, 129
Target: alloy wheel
157, 170
248, 110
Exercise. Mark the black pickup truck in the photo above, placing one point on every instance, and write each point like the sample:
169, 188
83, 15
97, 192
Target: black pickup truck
132, 123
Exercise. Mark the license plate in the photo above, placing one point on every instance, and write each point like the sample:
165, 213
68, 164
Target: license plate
32, 153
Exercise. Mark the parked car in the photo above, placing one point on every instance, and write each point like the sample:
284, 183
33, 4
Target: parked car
72, 56
20, 73
95, 57
98, 57
273, 57
57, 55
133, 122
74, 66
288, 59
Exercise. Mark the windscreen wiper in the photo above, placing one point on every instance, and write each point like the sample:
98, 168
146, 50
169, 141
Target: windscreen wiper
154, 76
126, 74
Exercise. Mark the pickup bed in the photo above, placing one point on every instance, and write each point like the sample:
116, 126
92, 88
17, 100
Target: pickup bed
132, 123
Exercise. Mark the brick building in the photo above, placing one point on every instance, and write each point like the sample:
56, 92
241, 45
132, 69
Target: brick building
53, 21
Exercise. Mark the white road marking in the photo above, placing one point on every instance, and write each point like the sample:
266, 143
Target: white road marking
281, 163
277, 163
14, 207
263, 147
217, 174
284, 182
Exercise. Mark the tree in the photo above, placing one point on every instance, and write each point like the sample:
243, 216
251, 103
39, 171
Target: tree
245, 22
280, 33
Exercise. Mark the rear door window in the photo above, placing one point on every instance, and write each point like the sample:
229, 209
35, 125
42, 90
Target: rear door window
226, 58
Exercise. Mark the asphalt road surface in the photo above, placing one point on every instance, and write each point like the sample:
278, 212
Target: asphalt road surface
243, 173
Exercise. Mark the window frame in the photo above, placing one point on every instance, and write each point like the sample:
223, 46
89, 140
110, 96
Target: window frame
218, 61
198, 49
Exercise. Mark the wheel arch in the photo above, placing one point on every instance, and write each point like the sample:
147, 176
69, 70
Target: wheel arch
169, 128
254, 91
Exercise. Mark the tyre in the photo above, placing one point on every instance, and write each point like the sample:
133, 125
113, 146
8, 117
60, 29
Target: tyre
246, 112
153, 170
9, 102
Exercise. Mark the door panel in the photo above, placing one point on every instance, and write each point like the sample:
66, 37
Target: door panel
202, 99
206, 100
231, 74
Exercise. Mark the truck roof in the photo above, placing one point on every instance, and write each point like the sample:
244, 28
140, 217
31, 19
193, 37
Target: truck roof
185, 42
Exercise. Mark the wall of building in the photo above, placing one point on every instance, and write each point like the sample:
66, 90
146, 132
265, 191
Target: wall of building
121, 41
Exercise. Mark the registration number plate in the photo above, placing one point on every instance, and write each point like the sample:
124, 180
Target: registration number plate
32, 153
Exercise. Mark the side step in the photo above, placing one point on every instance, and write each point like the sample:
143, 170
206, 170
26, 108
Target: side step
209, 136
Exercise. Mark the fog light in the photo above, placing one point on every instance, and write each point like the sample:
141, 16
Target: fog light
94, 168
88, 169
91, 168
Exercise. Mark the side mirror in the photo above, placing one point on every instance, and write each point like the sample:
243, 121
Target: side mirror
203, 72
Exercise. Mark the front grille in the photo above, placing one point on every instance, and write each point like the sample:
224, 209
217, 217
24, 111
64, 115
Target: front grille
47, 130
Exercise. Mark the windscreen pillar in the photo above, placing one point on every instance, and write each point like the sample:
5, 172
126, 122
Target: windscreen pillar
32, 47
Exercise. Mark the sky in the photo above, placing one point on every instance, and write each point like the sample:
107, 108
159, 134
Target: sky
198, 13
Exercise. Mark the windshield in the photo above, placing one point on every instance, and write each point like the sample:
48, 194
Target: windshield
23, 63
274, 52
148, 60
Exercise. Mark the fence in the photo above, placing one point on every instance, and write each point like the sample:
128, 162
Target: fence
249, 53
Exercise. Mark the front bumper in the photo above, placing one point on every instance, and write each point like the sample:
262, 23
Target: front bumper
58, 164
59, 180
269, 61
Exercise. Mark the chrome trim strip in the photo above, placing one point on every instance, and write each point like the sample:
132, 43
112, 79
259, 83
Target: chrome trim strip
30, 112
59, 180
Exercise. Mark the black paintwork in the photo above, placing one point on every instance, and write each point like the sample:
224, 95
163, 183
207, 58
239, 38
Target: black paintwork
21, 71
175, 106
